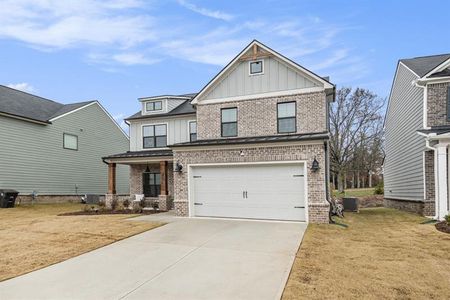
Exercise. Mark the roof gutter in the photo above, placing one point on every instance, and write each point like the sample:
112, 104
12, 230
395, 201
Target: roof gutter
25, 118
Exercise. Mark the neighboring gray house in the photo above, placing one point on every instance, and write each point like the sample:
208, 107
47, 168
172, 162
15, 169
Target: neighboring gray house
56, 149
253, 143
418, 135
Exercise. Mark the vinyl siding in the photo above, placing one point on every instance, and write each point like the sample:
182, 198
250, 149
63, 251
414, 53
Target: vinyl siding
177, 130
32, 157
277, 76
403, 168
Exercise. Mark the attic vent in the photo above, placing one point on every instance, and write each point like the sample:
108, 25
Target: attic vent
256, 67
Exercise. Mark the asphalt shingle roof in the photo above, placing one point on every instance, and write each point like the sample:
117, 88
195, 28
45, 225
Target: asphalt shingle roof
422, 65
183, 109
147, 153
28, 106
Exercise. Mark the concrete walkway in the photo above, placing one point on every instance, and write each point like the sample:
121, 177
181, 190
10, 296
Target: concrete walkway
185, 259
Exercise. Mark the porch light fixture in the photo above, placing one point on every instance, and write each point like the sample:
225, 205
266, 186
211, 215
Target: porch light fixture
315, 165
147, 170
178, 167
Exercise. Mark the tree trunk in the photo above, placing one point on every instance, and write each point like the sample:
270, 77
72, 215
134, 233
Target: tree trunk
353, 180
340, 179
358, 183
370, 179
345, 180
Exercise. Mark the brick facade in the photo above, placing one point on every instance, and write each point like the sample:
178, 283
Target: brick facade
317, 205
437, 104
423, 208
259, 117
136, 172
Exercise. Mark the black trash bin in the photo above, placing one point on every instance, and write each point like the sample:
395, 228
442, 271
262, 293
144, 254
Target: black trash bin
8, 198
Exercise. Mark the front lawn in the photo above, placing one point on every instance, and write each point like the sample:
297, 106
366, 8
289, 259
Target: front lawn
33, 236
383, 254
355, 193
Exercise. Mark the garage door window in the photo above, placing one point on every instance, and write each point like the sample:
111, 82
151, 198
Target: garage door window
286, 117
229, 122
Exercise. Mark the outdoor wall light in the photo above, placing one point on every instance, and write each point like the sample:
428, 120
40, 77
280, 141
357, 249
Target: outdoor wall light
315, 165
241, 153
178, 167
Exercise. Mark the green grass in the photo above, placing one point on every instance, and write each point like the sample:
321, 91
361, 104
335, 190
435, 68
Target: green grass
354, 193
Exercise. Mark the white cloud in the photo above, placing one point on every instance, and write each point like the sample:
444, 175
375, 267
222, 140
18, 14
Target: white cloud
134, 59
23, 86
216, 14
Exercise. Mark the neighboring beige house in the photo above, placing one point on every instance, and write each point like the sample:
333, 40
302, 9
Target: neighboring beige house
253, 143
418, 136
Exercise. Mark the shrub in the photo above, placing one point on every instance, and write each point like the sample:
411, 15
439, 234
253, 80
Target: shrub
142, 203
114, 204
126, 203
447, 219
379, 189
101, 203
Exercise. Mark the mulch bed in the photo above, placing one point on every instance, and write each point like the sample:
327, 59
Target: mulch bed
443, 226
110, 212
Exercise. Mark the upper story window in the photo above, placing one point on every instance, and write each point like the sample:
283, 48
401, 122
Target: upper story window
448, 103
70, 141
192, 131
153, 106
229, 122
256, 67
286, 117
154, 136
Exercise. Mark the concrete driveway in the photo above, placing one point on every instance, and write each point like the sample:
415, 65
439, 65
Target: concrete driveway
185, 259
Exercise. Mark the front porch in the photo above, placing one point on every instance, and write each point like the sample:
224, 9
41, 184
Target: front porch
151, 177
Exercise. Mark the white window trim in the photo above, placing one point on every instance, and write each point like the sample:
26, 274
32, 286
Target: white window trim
250, 69
155, 110
189, 129
141, 143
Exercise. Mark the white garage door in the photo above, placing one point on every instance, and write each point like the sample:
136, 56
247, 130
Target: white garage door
258, 191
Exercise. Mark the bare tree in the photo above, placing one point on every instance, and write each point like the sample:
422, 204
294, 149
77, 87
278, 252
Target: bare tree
355, 123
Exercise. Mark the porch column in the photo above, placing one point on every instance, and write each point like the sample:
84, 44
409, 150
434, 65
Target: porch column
111, 178
441, 180
164, 194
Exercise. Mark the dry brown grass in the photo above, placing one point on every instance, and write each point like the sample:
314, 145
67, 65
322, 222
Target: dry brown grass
32, 237
383, 254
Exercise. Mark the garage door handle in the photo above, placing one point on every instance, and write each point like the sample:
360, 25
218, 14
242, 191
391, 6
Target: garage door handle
299, 207
196, 203
298, 175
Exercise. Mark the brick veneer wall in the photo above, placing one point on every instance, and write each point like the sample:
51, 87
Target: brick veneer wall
259, 117
136, 177
437, 104
317, 205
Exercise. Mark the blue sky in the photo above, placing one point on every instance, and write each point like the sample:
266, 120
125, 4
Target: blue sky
116, 51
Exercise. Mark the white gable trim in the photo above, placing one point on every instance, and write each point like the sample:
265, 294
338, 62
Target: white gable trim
439, 68
287, 61
87, 105
265, 95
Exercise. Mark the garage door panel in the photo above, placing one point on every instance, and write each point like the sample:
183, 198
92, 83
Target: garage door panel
274, 191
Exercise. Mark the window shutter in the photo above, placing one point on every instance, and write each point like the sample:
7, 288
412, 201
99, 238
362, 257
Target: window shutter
448, 103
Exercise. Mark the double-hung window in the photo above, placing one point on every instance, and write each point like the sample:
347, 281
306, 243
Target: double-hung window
70, 141
286, 117
192, 131
154, 136
229, 122
153, 106
448, 103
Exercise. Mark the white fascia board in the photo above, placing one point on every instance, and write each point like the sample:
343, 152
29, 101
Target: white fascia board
265, 95
87, 105
439, 68
326, 84
163, 97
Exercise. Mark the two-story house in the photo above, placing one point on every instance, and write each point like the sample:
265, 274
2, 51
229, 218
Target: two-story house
418, 135
253, 143
53, 149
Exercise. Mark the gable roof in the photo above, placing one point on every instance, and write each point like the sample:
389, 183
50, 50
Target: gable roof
283, 58
425, 64
31, 107
184, 108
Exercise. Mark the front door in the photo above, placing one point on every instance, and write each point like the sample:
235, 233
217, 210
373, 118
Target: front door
151, 184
